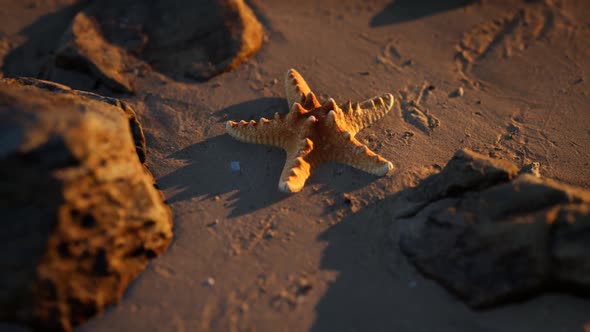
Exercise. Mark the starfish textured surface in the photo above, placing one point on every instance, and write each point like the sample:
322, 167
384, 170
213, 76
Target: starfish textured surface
313, 133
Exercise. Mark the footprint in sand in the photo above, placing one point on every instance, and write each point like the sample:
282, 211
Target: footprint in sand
413, 112
506, 35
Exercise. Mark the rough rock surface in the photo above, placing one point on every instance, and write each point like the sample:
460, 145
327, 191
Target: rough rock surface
85, 49
180, 38
80, 214
492, 235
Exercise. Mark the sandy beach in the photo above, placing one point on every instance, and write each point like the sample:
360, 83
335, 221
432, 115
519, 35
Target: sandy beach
506, 79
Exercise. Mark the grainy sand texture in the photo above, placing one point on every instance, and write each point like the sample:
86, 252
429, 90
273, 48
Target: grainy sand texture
507, 80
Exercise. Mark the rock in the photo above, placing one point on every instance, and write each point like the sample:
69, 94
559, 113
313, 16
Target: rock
134, 124
466, 171
85, 49
533, 168
491, 235
209, 282
180, 38
80, 214
457, 93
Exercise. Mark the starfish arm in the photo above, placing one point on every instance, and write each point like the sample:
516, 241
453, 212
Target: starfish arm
360, 156
361, 115
268, 132
296, 87
297, 167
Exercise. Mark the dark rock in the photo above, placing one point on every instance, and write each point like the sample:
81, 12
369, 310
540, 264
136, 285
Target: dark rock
180, 38
466, 171
80, 214
85, 49
491, 235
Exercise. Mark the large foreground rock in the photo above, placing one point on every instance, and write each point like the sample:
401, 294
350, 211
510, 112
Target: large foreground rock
492, 235
180, 38
80, 216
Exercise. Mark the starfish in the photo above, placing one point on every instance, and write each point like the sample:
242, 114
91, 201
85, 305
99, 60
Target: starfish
313, 133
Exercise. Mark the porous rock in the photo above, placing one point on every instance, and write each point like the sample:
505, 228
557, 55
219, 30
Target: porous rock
199, 39
491, 235
80, 214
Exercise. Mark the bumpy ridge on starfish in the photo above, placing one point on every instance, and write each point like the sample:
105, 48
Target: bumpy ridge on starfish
365, 159
311, 101
265, 131
296, 87
312, 133
369, 111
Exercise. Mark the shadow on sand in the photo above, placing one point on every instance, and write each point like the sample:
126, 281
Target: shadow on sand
221, 165
400, 11
209, 173
253, 109
377, 289
373, 275
42, 38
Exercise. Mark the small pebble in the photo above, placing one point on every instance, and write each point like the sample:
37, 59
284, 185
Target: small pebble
457, 93
533, 168
209, 282
235, 166
408, 62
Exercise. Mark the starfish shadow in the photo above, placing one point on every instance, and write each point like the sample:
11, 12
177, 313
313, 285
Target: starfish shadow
400, 11
253, 109
220, 165
337, 180
208, 173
